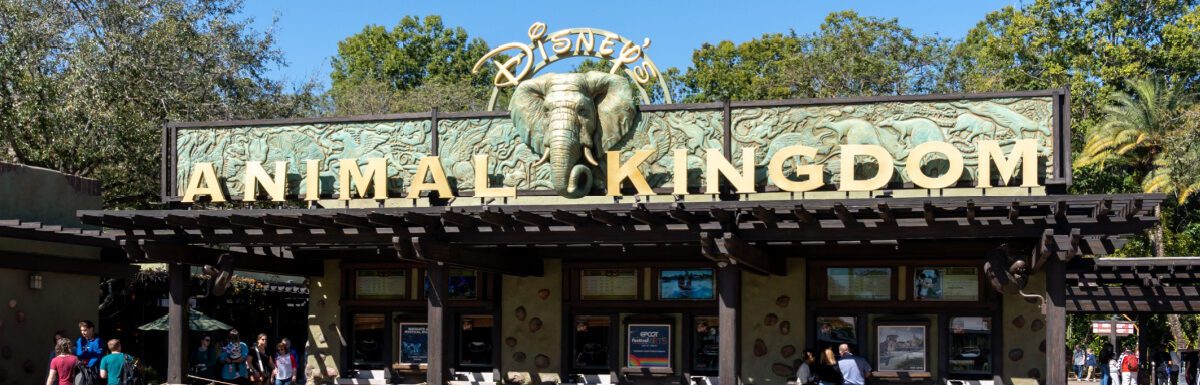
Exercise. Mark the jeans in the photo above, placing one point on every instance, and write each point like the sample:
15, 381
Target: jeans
283, 382
1105, 378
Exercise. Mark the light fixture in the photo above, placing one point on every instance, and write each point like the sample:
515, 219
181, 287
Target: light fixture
35, 280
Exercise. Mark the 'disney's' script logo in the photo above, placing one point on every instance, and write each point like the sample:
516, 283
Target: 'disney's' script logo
517, 61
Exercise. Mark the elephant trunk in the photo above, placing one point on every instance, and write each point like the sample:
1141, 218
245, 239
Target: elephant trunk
571, 179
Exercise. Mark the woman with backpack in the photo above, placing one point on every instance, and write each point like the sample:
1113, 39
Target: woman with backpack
62, 367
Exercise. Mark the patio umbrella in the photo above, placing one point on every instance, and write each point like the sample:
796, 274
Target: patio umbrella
197, 322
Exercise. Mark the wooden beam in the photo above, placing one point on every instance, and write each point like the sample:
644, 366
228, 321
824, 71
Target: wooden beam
608, 217
729, 296
574, 220
437, 297
532, 219
1060, 211
928, 210
1014, 211
499, 219
1103, 208
886, 214
431, 223
490, 259
239, 220
1056, 321
283, 221
971, 211
323, 222
387, 221
464, 222
844, 215
646, 217
683, 216
738, 252
766, 216
178, 281
1133, 208
358, 222
804, 216
243, 260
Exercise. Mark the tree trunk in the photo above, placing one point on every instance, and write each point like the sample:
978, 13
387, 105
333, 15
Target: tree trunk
1160, 250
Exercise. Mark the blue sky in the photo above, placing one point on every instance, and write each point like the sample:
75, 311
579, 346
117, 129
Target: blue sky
308, 31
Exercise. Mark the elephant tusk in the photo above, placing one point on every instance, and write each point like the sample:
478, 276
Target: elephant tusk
545, 157
587, 154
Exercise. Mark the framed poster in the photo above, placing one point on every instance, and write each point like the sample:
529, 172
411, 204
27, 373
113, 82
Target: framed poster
859, 283
648, 345
834, 331
946, 284
463, 284
381, 284
901, 348
608, 284
414, 343
686, 284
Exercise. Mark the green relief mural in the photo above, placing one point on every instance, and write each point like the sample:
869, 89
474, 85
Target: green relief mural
561, 127
896, 126
402, 143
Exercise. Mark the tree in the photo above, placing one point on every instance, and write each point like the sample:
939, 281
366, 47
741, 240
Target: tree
849, 55
85, 87
415, 66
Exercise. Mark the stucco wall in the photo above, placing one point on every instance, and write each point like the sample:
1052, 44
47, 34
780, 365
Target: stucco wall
29, 318
1024, 352
40, 195
531, 324
773, 320
325, 338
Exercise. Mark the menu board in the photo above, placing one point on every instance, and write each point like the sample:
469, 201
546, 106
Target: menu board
414, 343
608, 284
859, 283
649, 346
381, 284
946, 284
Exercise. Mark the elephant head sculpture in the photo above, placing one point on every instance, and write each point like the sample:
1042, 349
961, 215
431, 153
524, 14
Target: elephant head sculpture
565, 117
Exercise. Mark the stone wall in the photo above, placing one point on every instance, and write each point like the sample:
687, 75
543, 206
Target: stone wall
531, 325
29, 318
1024, 342
772, 324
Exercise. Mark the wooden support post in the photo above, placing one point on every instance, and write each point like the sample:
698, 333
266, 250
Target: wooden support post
1143, 348
178, 278
1056, 322
438, 276
729, 283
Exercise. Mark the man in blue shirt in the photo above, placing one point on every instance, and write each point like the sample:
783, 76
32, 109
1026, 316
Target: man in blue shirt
88, 347
855, 369
233, 355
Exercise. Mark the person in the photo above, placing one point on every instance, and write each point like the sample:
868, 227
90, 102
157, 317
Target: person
112, 364
827, 370
204, 362
58, 335
1129, 368
1104, 360
298, 360
259, 361
89, 348
1168, 367
1115, 367
233, 355
1078, 360
804, 373
62, 367
285, 369
855, 370
1090, 363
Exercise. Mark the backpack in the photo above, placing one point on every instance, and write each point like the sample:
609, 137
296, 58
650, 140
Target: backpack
85, 375
129, 373
1130, 363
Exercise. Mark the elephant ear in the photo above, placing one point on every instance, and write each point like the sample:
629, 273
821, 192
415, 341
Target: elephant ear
615, 108
527, 107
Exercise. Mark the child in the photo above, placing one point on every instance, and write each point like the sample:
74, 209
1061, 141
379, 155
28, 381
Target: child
285, 371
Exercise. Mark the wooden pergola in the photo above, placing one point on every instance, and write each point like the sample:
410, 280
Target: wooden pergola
756, 236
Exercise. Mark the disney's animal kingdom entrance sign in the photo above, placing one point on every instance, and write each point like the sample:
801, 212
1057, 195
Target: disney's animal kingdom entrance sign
582, 134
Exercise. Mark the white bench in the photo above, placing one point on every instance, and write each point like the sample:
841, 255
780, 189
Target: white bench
473, 378
368, 377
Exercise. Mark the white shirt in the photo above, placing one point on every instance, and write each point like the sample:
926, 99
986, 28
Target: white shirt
283, 367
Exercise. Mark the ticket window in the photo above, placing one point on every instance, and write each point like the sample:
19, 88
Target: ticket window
705, 351
970, 346
591, 340
368, 345
475, 341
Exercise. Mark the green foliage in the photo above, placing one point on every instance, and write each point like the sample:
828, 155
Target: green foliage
85, 87
415, 66
655, 93
850, 55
